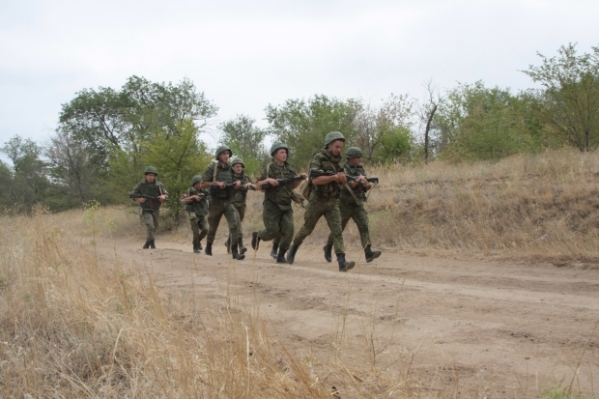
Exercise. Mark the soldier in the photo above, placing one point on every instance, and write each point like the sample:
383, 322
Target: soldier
239, 196
150, 208
197, 207
323, 200
351, 204
219, 179
277, 212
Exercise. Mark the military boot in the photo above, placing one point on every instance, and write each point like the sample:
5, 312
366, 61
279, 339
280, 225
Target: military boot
291, 254
147, 244
328, 252
371, 255
281, 256
196, 249
208, 249
242, 248
235, 253
275, 248
228, 245
199, 245
343, 264
255, 240
152, 244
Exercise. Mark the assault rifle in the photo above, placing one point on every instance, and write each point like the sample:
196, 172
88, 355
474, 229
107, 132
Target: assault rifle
283, 182
318, 173
202, 198
229, 186
148, 197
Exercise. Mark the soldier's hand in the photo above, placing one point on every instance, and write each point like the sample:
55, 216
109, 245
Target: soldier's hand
221, 184
272, 182
140, 200
362, 180
304, 175
237, 185
162, 197
342, 178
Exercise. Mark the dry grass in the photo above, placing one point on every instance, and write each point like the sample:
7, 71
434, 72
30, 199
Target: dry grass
71, 327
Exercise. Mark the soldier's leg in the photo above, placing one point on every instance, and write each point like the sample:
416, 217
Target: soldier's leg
271, 216
195, 230
216, 212
232, 216
361, 219
241, 211
148, 220
346, 215
314, 210
333, 218
203, 226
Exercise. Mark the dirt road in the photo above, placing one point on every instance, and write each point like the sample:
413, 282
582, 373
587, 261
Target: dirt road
455, 327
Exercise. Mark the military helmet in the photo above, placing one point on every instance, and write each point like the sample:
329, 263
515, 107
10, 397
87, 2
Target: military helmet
236, 160
196, 178
353, 152
151, 169
222, 148
332, 136
277, 146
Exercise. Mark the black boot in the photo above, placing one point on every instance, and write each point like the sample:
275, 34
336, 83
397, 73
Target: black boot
208, 249
227, 245
199, 245
343, 264
236, 254
370, 254
255, 240
281, 256
242, 248
152, 245
291, 254
147, 244
196, 248
275, 248
328, 252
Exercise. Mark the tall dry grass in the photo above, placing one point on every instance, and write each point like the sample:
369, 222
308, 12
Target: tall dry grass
73, 325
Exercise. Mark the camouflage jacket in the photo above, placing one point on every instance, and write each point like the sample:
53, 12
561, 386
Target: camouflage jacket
155, 189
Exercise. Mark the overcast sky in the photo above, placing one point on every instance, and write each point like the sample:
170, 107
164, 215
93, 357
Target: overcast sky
245, 55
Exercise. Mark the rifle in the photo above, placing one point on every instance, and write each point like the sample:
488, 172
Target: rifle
202, 198
230, 186
283, 182
148, 197
318, 173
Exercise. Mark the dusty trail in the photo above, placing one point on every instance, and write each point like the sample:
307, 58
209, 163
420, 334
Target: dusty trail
480, 328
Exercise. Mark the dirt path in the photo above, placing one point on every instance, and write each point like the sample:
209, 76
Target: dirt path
478, 328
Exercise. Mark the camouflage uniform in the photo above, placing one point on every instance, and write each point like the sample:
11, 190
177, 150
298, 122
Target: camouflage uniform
277, 212
221, 204
197, 211
239, 201
350, 209
323, 202
149, 210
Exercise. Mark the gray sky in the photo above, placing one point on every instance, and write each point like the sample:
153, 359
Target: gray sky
245, 55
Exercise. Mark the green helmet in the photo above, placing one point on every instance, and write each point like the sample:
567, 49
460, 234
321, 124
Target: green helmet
333, 136
151, 169
236, 160
196, 178
277, 146
222, 148
353, 152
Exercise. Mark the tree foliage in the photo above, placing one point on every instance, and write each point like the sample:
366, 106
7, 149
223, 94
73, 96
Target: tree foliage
570, 99
303, 124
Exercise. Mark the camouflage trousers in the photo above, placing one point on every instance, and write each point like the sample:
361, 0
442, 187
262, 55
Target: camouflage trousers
278, 224
350, 210
199, 227
218, 208
329, 208
150, 219
241, 211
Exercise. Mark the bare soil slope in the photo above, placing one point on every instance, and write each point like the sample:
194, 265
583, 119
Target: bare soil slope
450, 327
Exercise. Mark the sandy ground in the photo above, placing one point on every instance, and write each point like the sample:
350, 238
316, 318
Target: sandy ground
455, 328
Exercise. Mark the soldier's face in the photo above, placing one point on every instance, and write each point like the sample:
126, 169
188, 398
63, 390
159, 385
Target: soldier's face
356, 161
224, 156
197, 185
335, 147
280, 155
150, 177
238, 168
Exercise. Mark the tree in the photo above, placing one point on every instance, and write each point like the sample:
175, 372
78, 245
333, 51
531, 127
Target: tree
246, 140
570, 99
302, 125
373, 123
395, 143
427, 115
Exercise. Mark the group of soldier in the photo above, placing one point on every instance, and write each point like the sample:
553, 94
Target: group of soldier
336, 190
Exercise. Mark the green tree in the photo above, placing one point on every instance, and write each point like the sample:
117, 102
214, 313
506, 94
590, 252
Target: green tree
246, 140
395, 144
302, 125
570, 99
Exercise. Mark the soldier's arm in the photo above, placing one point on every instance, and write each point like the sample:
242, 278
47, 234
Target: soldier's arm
264, 179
